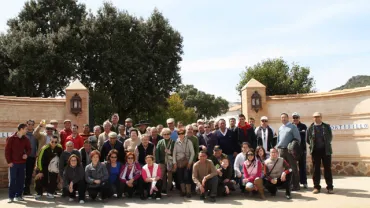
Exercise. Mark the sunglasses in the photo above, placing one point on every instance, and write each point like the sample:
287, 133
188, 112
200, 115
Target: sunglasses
166, 134
295, 117
114, 157
181, 133
54, 142
49, 129
130, 158
264, 121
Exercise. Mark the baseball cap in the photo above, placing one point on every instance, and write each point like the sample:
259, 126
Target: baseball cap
264, 118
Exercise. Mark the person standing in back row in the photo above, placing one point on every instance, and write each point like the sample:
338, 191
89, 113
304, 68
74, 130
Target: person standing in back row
17, 149
319, 137
288, 132
302, 128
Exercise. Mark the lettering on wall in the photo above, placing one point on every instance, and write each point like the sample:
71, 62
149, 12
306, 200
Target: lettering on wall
349, 126
4, 135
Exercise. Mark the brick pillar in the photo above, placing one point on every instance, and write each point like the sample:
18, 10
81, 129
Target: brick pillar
82, 91
247, 92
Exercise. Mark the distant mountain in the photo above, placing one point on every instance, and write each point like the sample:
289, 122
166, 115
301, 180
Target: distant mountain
355, 81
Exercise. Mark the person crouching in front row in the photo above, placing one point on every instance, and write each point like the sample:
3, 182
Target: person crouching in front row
74, 179
151, 173
130, 176
277, 173
252, 174
113, 168
225, 181
205, 177
96, 176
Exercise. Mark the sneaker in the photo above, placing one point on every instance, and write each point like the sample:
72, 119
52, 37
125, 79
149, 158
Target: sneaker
212, 199
71, 199
10, 200
82, 202
158, 198
288, 197
37, 197
50, 196
316, 191
19, 198
330, 191
305, 186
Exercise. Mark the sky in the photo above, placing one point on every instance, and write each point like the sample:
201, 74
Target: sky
221, 38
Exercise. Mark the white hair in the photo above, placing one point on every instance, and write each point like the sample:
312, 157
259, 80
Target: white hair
188, 127
107, 123
97, 126
170, 120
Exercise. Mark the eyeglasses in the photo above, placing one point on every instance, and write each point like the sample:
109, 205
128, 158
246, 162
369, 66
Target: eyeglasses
54, 142
165, 134
113, 157
295, 117
264, 121
49, 129
181, 133
130, 158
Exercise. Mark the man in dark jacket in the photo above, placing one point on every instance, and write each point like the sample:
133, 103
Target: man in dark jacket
85, 153
17, 149
246, 132
302, 128
265, 136
31, 159
110, 144
319, 137
226, 141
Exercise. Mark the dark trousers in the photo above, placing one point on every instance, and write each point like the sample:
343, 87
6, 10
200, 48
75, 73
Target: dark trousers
148, 186
184, 175
293, 164
80, 187
303, 169
48, 181
104, 190
272, 188
17, 173
317, 157
137, 186
117, 188
211, 186
30, 166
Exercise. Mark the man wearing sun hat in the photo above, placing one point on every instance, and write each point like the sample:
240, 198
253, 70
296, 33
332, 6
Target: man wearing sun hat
319, 137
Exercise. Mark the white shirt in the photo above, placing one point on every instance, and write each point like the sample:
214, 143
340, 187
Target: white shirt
238, 164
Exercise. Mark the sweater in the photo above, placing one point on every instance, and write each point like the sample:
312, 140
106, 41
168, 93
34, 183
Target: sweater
107, 147
227, 142
149, 169
99, 172
34, 143
130, 145
280, 167
203, 170
287, 132
73, 174
63, 160
15, 149
141, 152
63, 136
194, 140
247, 135
135, 175
78, 141
183, 149
254, 171
160, 154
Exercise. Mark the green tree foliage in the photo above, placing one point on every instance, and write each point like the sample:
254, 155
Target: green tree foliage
207, 105
278, 77
129, 64
176, 109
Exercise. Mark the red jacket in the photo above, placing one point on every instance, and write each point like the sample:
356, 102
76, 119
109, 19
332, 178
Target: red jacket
78, 141
16, 147
63, 136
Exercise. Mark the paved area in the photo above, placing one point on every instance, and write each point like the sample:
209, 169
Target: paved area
350, 192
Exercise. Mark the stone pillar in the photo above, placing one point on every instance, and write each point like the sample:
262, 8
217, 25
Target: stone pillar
247, 91
82, 91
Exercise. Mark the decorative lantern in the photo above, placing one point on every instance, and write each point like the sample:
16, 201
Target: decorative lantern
76, 104
256, 101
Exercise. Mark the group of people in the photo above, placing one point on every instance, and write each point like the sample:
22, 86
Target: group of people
208, 158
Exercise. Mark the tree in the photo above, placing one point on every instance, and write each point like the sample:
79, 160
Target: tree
278, 77
176, 109
37, 53
132, 61
207, 105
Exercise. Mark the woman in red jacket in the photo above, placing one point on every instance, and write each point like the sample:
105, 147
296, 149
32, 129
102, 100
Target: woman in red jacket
252, 169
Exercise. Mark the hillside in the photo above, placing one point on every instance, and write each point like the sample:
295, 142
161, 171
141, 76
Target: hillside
355, 81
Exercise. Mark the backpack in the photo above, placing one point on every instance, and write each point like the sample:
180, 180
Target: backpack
294, 149
54, 165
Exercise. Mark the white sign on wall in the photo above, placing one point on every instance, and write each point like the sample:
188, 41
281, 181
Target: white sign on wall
4, 135
349, 126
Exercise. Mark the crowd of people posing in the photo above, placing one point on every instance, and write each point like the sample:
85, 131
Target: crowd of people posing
205, 157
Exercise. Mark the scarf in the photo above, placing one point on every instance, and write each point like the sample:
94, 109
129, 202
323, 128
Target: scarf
252, 169
265, 136
244, 128
123, 176
153, 175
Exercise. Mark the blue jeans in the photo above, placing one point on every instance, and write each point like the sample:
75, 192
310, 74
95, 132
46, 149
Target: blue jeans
231, 159
17, 176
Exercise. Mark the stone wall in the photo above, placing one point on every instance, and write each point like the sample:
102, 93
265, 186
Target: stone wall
351, 155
